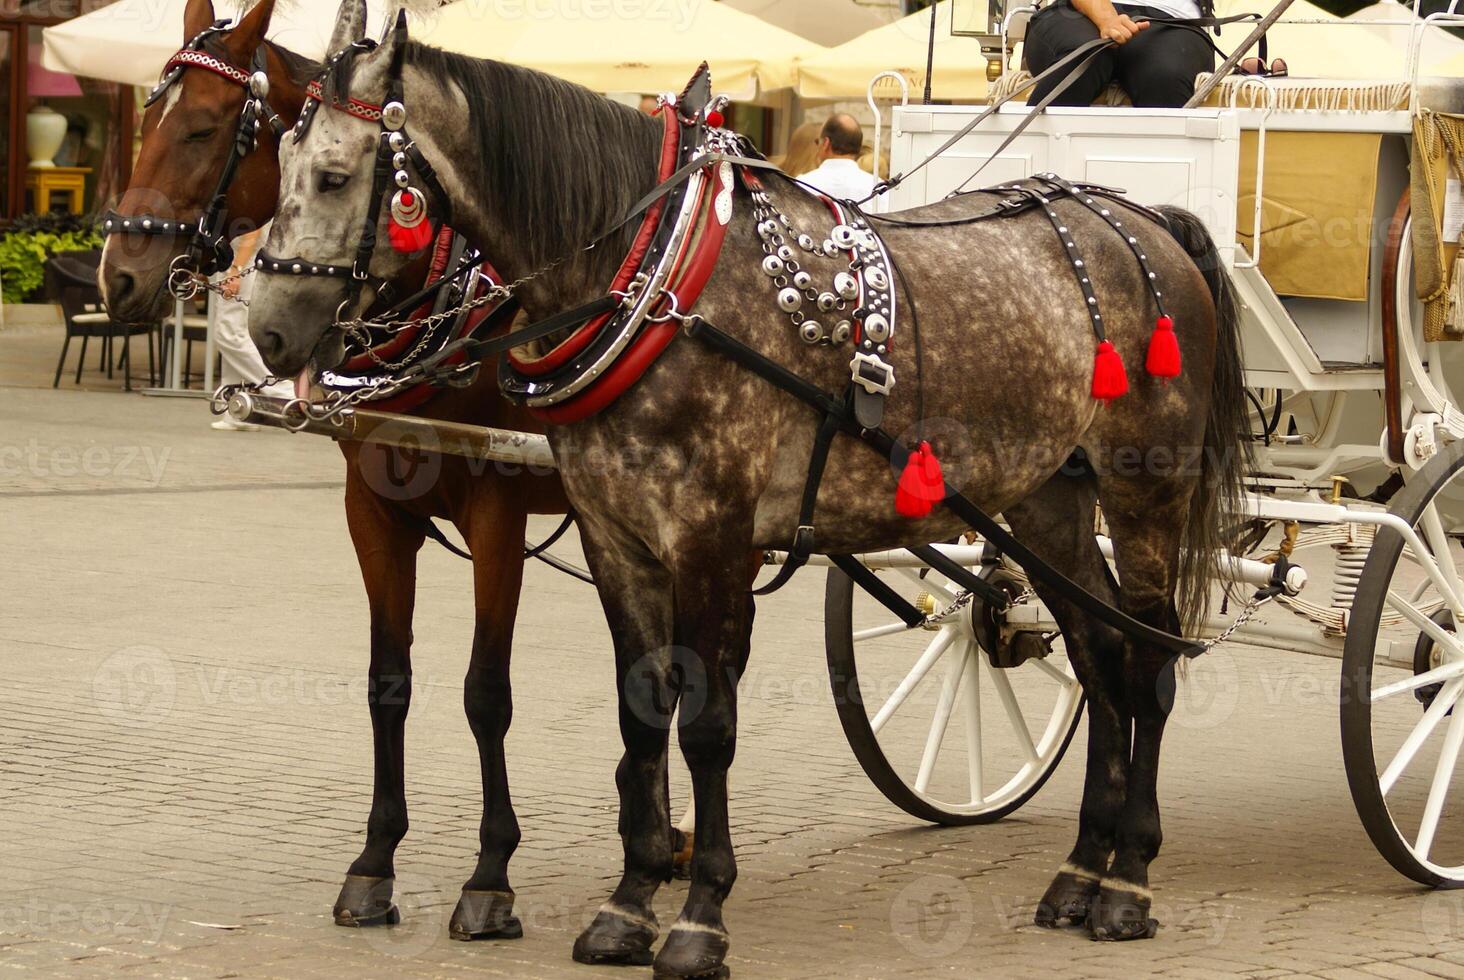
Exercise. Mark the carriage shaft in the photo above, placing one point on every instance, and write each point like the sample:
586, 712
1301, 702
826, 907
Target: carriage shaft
403, 431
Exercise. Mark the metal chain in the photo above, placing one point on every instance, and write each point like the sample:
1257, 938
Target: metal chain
1251, 607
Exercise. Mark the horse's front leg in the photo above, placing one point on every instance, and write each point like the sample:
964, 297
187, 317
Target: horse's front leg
713, 626
635, 591
386, 542
495, 533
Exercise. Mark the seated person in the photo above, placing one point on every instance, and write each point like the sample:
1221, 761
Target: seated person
839, 174
1155, 63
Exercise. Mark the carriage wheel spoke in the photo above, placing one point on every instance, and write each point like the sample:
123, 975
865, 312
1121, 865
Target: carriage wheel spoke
1421, 731
1438, 675
1438, 541
1443, 776
972, 713
1437, 633
875, 632
1056, 673
933, 652
942, 719
1014, 712
928, 583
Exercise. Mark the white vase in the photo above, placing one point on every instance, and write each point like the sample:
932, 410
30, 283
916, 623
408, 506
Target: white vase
45, 131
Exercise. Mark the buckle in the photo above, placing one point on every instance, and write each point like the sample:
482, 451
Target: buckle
872, 374
802, 541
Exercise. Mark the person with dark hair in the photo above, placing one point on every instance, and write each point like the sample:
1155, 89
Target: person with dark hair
1155, 63
839, 174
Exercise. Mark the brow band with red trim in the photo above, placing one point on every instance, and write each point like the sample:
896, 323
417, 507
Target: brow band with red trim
188, 58
354, 107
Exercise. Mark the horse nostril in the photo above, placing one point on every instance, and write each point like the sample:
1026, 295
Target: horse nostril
119, 287
270, 345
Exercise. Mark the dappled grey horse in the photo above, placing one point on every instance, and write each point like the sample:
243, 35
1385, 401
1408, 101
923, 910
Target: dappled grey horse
699, 462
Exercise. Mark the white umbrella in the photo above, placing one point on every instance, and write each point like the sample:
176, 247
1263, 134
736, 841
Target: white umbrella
129, 41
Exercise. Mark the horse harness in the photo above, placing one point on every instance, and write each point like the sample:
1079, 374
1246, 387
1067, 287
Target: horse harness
617, 337
208, 244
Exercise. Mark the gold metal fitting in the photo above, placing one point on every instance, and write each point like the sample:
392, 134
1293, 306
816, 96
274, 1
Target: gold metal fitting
1338, 482
925, 602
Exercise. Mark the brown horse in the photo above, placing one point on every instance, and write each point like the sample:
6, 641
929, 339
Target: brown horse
389, 504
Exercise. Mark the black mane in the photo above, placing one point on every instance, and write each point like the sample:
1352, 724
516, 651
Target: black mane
563, 160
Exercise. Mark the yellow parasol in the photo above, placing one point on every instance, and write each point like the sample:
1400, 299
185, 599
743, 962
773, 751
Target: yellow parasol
845, 71
643, 46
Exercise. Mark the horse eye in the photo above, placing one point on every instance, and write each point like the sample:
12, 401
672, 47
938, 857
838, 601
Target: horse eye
332, 181
200, 135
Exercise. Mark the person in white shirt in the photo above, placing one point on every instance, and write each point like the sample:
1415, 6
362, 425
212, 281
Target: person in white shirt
239, 357
839, 174
1156, 63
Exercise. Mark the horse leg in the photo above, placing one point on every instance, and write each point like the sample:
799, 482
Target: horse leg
634, 591
495, 532
686, 826
1057, 522
713, 623
1146, 522
386, 544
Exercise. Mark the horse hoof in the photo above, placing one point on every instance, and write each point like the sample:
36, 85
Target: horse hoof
484, 915
617, 937
693, 952
365, 901
685, 843
1145, 928
1119, 914
1067, 902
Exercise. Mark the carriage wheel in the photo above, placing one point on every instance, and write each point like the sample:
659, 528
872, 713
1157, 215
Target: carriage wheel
943, 731
1403, 678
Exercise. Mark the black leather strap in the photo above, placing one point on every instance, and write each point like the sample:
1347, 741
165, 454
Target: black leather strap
803, 538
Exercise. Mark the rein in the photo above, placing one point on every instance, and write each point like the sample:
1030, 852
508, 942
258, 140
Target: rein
208, 245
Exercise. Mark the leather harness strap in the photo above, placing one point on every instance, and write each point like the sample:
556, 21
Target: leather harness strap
889, 447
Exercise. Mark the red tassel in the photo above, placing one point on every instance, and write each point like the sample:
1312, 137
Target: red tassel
1109, 379
1163, 359
922, 484
716, 120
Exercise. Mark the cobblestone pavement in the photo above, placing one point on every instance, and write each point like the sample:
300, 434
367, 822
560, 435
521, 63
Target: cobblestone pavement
185, 761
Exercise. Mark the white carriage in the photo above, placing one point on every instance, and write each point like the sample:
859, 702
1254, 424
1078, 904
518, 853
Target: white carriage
1357, 477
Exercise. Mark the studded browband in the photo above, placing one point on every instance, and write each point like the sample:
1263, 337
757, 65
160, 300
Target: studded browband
208, 234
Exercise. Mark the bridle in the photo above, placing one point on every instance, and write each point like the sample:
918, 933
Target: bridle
395, 153
208, 244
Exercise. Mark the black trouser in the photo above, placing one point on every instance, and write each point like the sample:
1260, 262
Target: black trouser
1157, 67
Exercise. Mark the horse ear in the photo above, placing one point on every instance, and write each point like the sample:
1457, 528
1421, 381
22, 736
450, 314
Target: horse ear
350, 25
197, 16
242, 40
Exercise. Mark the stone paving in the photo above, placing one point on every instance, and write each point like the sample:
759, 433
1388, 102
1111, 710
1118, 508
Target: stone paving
185, 761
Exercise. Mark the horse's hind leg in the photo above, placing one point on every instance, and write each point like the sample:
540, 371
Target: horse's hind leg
1146, 519
635, 591
1057, 523
386, 543
495, 532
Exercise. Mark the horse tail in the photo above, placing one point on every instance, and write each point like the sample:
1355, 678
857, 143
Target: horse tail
1226, 454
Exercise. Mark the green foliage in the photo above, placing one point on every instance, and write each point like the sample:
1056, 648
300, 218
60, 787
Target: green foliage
31, 240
